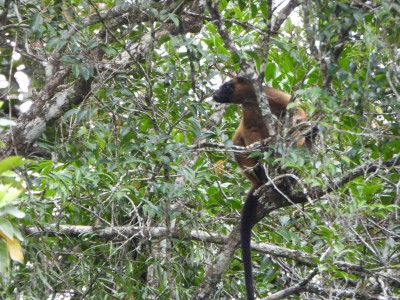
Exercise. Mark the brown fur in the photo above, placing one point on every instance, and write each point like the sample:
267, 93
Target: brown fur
251, 129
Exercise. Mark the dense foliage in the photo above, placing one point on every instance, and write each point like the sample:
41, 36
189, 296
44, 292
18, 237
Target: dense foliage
123, 200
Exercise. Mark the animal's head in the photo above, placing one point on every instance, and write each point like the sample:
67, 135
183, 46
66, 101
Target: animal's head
236, 90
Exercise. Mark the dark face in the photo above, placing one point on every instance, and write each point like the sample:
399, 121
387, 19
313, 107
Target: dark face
224, 93
234, 91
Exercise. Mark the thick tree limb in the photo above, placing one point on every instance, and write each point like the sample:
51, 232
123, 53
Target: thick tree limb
238, 149
55, 99
272, 198
48, 107
293, 289
284, 14
343, 293
124, 233
215, 271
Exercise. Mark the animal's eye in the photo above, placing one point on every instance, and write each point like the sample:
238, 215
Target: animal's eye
227, 87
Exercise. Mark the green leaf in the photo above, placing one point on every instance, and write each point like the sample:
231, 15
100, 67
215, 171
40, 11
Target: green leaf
6, 228
11, 162
242, 5
293, 105
85, 72
284, 220
223, 4
52, 43
270, 71
264, 9
92, 44
70, 59
4, 258
36, 22
165, 160
254, 10
353, 67
342, 76
174, 19
11, 210
9, 196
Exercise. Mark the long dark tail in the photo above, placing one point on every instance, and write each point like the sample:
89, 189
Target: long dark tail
248, 220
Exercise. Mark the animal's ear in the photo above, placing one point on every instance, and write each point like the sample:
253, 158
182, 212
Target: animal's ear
243, 80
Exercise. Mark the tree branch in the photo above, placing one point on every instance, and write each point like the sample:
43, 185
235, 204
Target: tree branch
214, 12
55, 99
343, 293
295, 288
284, 14
238, 149
272, 198
124, 233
